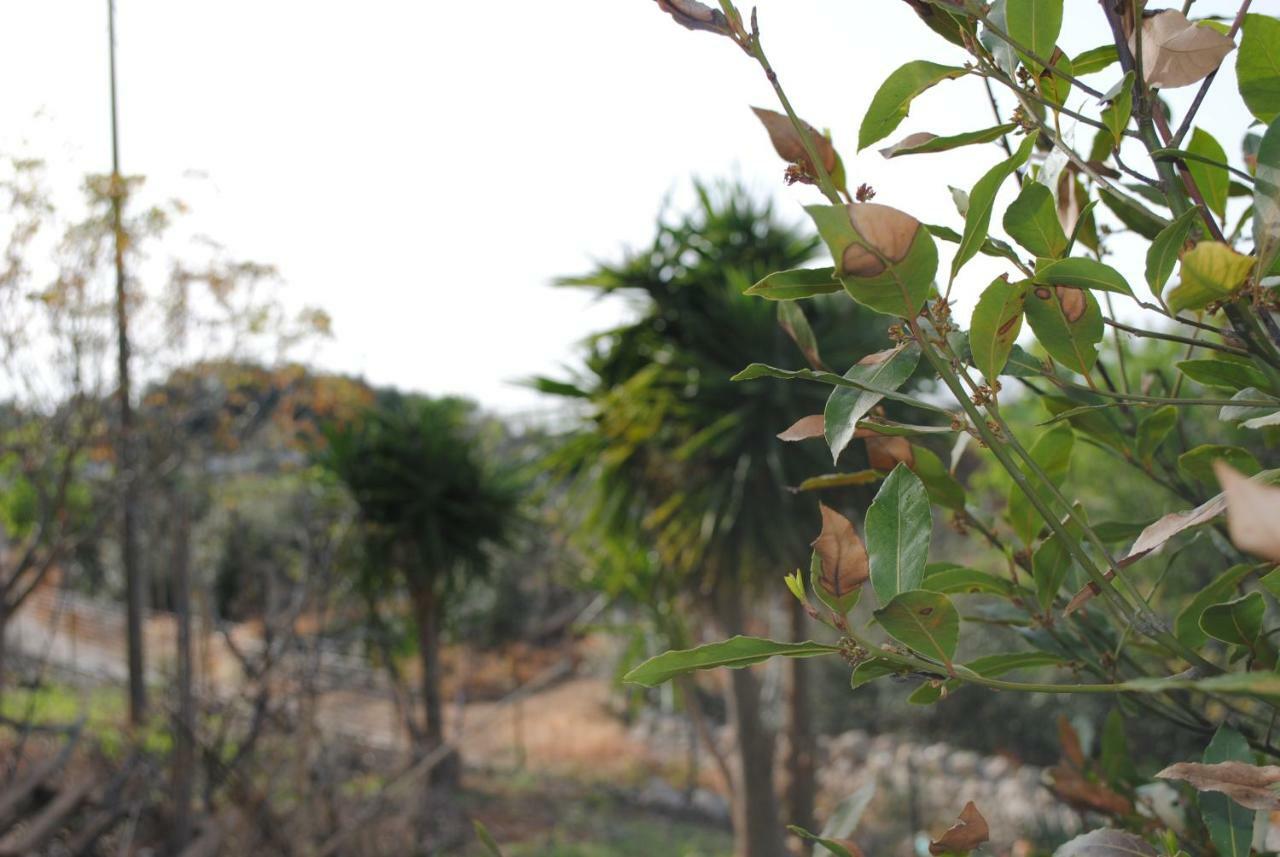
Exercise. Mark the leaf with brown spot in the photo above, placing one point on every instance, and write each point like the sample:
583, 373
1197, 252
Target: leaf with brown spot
805, 428
788, 144
842, 554
1176, 52
1251, 786
969, 831
886, 229
1253, 512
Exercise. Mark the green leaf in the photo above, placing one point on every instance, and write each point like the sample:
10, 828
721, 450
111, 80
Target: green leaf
943, 488
1153, 429
830, 844
1271, 582
1266, 199
1055, 83
1230, 825
1117, 765
1198, 462
1032, 221
734, 653
1050, 565
870, 670
791, 318
1186, 627
1237, 622
1083, 274
892, 101
845, 406
900, 288
996, 323
1210, 271
486, 839
926, 622
1226, 374
796, 284
1165, 249
925, 143
899, 525
960, 580
1118, 110
1068, 323
981, 200
1052, 452
838, 480
1034, 24
1000, 50
1094, 60
1134, 215
1212, 180
1258, 66
763, 370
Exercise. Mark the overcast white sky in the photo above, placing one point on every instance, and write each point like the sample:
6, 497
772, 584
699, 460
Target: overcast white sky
422, 170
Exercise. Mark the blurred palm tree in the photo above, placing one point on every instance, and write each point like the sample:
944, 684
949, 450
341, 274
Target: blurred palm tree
432, 508
677, 459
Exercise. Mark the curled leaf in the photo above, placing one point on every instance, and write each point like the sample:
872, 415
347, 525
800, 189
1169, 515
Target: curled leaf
1176, 52
1106, 843
842, 553
1251, 786
804, 428
788, 144
1253, 512
885, 452
1073, 789
886, 231
969, 831
696, 16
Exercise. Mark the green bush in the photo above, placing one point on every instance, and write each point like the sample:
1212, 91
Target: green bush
1096, 595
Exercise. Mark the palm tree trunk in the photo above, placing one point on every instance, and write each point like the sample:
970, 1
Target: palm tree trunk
801, 788
427, 616
756, 828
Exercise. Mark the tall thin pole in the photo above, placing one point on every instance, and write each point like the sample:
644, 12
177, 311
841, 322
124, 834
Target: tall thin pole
125, 465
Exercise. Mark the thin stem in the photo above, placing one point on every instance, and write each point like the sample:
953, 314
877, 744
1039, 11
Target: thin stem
1124, 372
825, 183
1039, 60
1173, 337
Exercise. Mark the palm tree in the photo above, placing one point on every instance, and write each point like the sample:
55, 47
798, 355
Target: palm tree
686, 462
431, 507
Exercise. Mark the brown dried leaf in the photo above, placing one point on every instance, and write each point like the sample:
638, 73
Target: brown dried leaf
805, 428
969, 831
1072, 752
1073, 789
1250, 786
1253, 512
1170, 525
1176, 52
787, 143
885, 451
887, 229
843, 555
